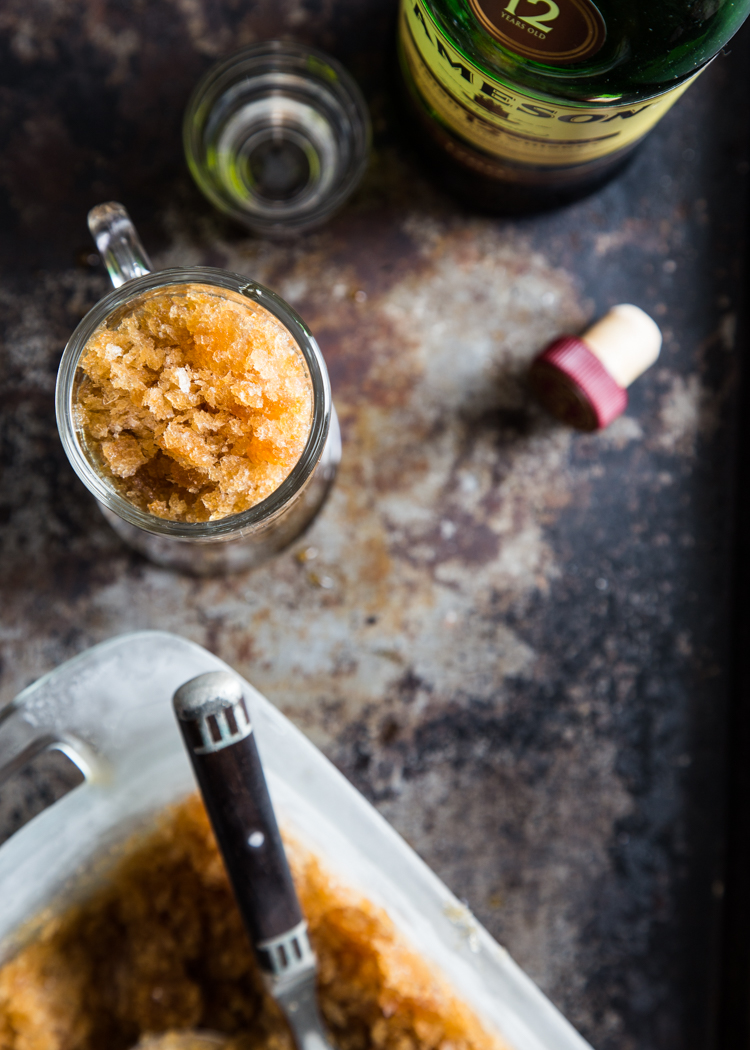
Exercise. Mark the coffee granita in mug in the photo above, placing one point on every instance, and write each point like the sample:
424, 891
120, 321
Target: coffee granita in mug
194, 401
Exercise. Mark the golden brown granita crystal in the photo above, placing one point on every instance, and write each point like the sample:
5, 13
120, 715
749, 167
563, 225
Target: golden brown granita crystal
161, 947
194, 402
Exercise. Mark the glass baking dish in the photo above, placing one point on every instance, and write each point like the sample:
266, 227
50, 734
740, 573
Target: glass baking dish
109, 710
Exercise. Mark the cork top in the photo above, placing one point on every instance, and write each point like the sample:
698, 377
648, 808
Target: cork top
583, 380
626, 341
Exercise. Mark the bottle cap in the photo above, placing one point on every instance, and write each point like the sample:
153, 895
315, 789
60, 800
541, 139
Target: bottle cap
582, 380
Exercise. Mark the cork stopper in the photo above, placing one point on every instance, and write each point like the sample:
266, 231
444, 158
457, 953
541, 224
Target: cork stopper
583, 380
627, 342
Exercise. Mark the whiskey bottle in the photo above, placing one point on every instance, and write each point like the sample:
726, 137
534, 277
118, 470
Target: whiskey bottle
523, 104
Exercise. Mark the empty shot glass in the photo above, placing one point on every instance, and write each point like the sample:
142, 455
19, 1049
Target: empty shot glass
277, 136
160, 529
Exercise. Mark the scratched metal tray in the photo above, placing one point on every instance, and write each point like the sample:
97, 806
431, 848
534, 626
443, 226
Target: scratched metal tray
514, 640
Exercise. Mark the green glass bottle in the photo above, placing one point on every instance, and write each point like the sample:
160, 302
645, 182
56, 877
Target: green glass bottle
530, 103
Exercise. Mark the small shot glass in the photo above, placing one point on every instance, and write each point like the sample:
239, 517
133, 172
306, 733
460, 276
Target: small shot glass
277, 136
229, 544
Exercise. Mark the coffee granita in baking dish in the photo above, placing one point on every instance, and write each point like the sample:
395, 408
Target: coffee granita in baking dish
160, 946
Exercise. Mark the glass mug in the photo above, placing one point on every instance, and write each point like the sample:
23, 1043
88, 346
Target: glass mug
277, 136
238, 541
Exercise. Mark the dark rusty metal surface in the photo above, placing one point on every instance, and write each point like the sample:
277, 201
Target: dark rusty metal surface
512, 638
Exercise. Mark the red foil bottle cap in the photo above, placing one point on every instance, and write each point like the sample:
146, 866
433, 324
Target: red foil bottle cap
573, 385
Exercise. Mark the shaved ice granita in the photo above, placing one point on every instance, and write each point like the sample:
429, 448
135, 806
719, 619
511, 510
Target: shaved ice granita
195, 406
194, 402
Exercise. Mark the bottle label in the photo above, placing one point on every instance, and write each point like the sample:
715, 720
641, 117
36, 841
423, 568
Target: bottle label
553, 33
509, 124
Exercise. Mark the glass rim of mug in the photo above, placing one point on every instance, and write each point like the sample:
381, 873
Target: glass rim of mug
233, 524
241, 66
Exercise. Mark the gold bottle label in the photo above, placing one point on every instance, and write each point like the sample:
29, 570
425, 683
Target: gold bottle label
552, 32
506, 123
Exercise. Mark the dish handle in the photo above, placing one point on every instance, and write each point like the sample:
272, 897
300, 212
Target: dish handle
22, 741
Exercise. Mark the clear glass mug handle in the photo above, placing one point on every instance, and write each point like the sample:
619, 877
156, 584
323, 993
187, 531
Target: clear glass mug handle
118, 243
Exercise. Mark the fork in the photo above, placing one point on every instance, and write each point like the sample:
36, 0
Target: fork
218, 733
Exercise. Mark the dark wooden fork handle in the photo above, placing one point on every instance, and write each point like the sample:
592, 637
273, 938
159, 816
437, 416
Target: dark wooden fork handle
218, 733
